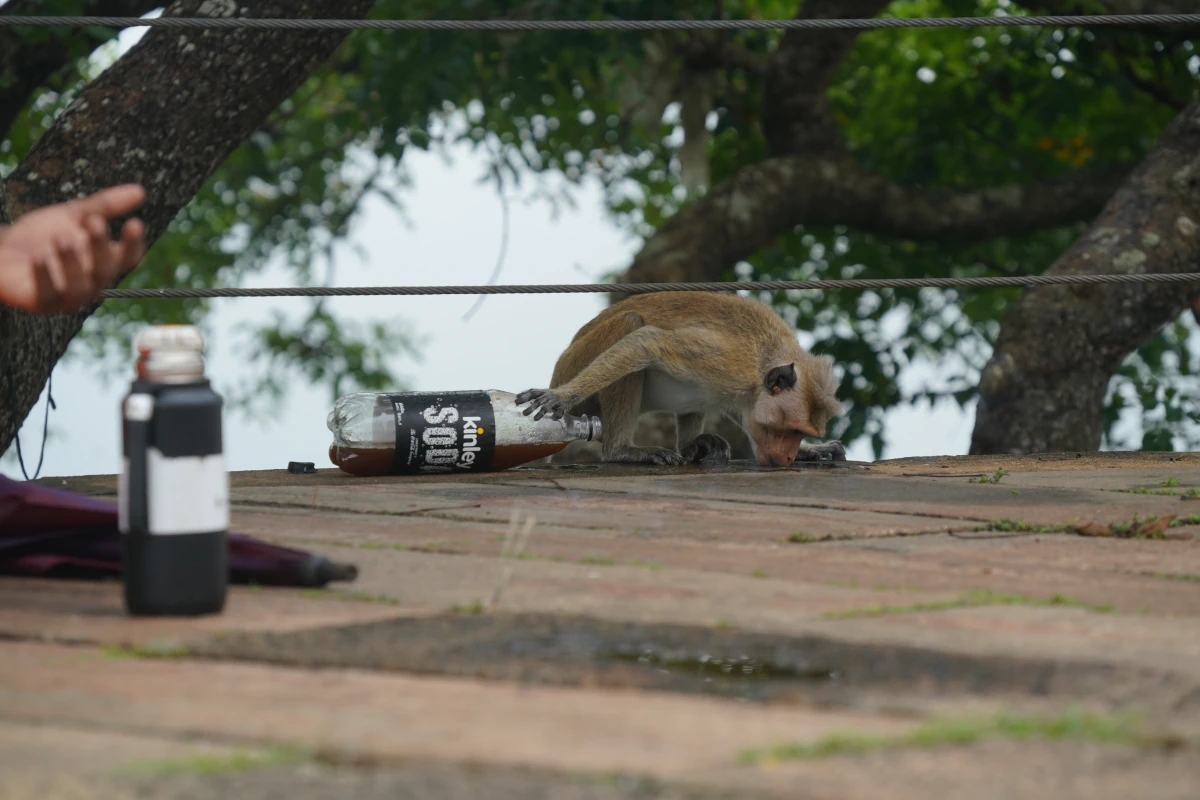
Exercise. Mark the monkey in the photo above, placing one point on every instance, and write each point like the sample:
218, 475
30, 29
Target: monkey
694, 354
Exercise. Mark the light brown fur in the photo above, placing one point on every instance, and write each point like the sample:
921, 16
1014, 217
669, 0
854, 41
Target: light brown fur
693, 353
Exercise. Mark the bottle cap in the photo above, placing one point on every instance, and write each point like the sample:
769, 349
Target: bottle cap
170, 354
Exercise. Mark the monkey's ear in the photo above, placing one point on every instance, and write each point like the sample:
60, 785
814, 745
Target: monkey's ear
780, 378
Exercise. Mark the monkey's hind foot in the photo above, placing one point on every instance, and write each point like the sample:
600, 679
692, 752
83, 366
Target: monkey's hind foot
544, 402
708, 448
829, 451
659, 456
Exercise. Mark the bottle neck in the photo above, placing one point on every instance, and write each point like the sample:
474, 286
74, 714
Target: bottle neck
583, 428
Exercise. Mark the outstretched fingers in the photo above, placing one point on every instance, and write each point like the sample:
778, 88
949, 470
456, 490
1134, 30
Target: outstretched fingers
529, 394
542, 402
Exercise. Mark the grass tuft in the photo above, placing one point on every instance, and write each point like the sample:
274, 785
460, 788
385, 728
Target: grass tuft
239, 761
993, 478
148, 650
1020, 526
972, 599
1073, 725
349, 596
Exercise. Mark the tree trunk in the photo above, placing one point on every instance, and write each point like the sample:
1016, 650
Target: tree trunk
165, 115
1043, 389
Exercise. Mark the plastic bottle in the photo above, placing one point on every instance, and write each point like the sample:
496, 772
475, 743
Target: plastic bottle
173, 508
432, 433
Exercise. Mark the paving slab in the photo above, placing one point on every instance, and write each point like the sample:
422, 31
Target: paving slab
988, 771
193, 771
435, 580
707, 505
361, 715
1169, 648
643, 513
1159, 577
42, 761
803, 670
355, 717
1091, 462
61, 762
955, 499
900, 569
93, 612
321, 782
646, 498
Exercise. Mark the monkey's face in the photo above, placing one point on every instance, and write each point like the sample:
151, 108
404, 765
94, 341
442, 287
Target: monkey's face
781, 418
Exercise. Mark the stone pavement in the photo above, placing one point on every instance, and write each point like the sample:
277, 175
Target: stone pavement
910, 628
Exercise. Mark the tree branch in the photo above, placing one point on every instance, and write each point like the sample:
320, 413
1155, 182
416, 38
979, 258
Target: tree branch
875, 204
27, 65
165, 115
794, 103
1152, 89
764, 200
1043, 389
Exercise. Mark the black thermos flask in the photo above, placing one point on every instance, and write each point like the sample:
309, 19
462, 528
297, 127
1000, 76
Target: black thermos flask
174, 489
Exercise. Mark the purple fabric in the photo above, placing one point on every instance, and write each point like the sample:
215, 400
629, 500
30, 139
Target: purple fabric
29, 508
46, 532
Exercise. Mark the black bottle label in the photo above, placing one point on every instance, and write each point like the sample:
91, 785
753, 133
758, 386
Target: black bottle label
443, 432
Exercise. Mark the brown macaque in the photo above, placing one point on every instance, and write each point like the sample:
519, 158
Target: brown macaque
694, 354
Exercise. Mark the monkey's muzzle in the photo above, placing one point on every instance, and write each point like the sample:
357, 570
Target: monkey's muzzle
777, 449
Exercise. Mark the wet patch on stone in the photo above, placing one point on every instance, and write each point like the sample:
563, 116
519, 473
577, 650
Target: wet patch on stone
571, 650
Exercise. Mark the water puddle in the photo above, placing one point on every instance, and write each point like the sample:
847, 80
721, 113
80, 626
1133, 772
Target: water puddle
715, 668
571, 650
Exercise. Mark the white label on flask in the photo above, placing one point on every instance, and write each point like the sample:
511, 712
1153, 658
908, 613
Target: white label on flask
187, 494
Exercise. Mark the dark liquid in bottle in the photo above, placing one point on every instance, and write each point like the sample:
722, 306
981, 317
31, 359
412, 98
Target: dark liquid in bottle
366, 462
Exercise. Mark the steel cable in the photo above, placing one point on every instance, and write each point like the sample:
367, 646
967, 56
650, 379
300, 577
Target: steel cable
618, 25
643, 288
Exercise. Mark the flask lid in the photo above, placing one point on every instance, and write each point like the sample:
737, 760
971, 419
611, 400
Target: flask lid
170, 354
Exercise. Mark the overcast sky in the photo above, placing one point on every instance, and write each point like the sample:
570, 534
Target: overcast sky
454, 238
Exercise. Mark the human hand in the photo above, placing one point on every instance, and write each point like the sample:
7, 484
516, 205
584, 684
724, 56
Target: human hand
58, 258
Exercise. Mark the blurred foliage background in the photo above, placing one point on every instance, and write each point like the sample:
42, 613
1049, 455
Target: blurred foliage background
955, 108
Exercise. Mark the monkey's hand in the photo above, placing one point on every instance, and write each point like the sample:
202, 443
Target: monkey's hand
659, 456
544, 402
829, 451
707, 447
